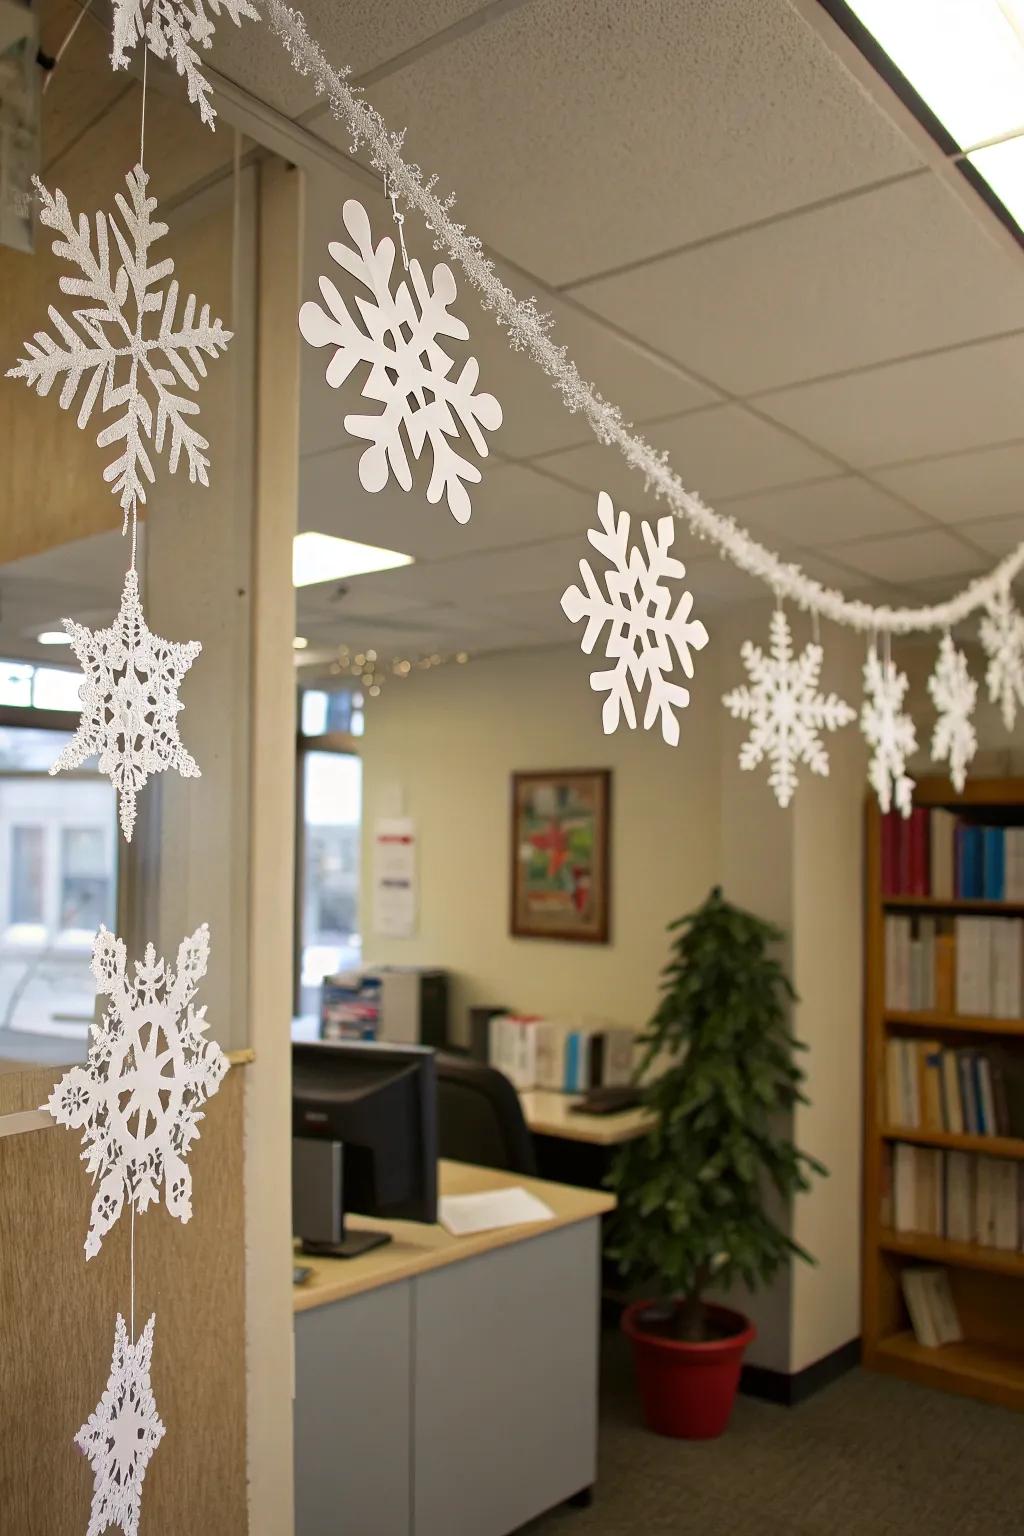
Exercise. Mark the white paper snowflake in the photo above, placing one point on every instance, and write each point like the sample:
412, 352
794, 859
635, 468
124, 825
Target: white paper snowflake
129, 702
175, 30
1002, 635
137, 365
954, 694
121, 1434
889, 733
785, 709
150, 1069
408, 371
641, 630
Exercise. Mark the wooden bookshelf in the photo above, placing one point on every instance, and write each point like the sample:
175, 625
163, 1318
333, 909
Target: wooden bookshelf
987, 1283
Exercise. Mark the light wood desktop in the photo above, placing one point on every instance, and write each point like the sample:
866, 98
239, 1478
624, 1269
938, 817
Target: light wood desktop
551, 1114
415, 1248
447, 1386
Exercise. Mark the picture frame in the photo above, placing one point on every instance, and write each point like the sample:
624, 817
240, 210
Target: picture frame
560, 865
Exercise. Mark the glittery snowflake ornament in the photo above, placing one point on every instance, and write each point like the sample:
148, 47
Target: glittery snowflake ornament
785, 709
130, 702
1002, 635
643, 629
121, 1434
407, 369
175, 30
954, 694
138, 1099
889, 733
138, 358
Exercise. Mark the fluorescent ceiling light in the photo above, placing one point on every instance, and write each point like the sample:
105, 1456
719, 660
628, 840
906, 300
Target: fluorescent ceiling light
964, 58
319, 557
1002, 166
54, 637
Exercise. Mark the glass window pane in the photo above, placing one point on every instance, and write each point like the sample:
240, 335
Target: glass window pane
55, 688
331, 941
85, 899
26, 747
58, 882
16, 684
314, 712
26, 875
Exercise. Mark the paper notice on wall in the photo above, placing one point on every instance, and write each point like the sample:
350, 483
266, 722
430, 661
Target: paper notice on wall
394, 878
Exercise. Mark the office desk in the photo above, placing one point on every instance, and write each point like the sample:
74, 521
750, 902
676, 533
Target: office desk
550, 1114
448, 1386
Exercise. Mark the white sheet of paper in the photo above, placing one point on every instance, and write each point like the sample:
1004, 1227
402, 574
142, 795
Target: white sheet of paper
461, 1214
394, 877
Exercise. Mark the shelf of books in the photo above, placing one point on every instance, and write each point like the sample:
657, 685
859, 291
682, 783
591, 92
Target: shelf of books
943, 1284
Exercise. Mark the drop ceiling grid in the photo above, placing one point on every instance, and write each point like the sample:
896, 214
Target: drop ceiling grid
913, 196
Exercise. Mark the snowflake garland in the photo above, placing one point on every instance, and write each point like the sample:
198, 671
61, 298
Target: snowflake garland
138, 1099
408, 370
121, 1434
175, 30
785, 709
641, 630
129, 702
138, 369
954, 694
889, 732
1002, 635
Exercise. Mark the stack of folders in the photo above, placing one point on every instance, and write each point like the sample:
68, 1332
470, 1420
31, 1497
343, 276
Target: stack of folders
968, 965
567, 1057
931, 1087
933, 1314
961, 1196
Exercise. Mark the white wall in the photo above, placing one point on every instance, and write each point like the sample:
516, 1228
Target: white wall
441, 748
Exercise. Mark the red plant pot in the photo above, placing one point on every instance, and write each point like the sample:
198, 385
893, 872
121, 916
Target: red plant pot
687, 1390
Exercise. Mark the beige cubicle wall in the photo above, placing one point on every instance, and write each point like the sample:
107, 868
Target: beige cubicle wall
58, 1316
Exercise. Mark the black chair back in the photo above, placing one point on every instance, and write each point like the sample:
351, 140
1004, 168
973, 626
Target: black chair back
479, 1117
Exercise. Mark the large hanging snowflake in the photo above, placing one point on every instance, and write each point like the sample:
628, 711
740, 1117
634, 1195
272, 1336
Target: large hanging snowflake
642, 631
129, 702
408, 371
785, 709
889, 732
1002, 635
175, 30
121, 1434
954, 694
136, 366
138, 1099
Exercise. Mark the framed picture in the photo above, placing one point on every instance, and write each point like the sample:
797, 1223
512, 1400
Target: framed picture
561, 834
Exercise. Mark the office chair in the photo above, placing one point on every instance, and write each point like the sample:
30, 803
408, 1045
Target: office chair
479, 1117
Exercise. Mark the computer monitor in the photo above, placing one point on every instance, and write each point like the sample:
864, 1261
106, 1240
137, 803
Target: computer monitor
364, 1139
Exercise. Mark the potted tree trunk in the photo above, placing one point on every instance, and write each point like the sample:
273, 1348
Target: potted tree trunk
698, 1195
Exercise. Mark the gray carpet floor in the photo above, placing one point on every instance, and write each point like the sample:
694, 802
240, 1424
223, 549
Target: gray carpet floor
867, 1456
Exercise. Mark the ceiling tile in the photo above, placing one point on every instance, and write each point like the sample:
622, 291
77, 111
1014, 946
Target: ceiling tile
579, 137
513, 504
535, 420
546, 566
909, 556
826, 512
964, 398
904, 268
996, 535
351, 32
960, 487
720, 452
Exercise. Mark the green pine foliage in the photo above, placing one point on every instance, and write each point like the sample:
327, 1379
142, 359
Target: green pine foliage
696, 1195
